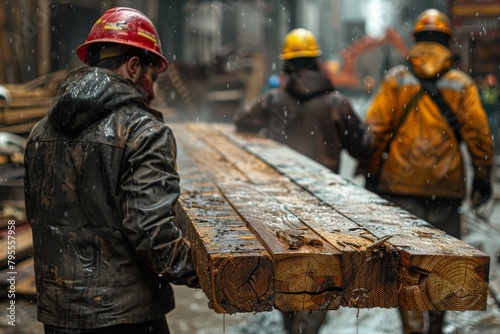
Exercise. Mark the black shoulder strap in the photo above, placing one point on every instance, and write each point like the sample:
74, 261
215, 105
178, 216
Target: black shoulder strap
372, 182
413, 101
430, 87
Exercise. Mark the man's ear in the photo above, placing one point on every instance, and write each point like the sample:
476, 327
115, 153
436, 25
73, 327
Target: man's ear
134, 68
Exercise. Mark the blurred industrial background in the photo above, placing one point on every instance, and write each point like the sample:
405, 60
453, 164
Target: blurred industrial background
224, 51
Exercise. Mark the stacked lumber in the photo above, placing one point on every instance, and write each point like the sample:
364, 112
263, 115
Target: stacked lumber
28, 102
273, 229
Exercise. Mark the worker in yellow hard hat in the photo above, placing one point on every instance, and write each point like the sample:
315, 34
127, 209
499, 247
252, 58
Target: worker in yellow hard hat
420, 115
306, 113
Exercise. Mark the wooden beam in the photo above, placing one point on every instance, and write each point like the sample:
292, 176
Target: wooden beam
276, 209
306, 267
235, 271
303, 279
349, 237
436, 271
43, 59
29, 102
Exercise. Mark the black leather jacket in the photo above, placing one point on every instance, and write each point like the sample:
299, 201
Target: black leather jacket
100, 186
308, 115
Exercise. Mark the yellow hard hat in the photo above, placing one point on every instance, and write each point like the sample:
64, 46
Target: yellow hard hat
299, 43
432, 20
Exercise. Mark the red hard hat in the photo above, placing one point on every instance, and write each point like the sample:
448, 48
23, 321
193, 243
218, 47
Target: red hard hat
124, 26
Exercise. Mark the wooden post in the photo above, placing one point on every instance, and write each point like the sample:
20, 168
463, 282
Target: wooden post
44, 48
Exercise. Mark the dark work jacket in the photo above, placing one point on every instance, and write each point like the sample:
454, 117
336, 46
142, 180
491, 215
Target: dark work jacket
308, 115
100, 186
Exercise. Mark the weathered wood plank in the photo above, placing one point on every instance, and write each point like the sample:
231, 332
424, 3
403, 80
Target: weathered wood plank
361, 278
303, 279
21, 128
12, 211
17, 104
16, 116
235, 271
307, 268
368, 265
29, 102
436, 271
267, 204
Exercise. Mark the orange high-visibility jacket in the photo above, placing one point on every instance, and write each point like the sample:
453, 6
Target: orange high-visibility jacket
424, 157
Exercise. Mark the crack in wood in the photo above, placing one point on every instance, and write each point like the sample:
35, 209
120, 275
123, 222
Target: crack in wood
295, 240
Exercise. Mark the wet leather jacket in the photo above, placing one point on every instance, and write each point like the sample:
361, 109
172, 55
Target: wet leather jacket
100, 187
308, 115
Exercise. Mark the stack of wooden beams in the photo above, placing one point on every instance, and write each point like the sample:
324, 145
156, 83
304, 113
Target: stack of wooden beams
29, 102
271, 228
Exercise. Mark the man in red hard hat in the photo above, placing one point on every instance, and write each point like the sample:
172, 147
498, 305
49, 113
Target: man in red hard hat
100, 189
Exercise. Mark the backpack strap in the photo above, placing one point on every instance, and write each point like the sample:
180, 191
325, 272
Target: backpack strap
430, 87
372, 182
413, 101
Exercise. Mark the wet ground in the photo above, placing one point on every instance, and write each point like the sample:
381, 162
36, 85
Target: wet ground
192, 315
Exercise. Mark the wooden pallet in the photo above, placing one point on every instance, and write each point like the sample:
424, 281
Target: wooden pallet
273, 229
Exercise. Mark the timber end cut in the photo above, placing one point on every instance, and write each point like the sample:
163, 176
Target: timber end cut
450, 283
235, 271
271, 228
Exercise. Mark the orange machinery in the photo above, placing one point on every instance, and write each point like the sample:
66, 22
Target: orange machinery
344, 75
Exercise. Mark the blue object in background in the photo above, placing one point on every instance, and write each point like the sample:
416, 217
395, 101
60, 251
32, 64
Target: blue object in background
273, 81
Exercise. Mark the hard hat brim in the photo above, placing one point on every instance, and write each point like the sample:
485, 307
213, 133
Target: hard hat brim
300, 54
82, 52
